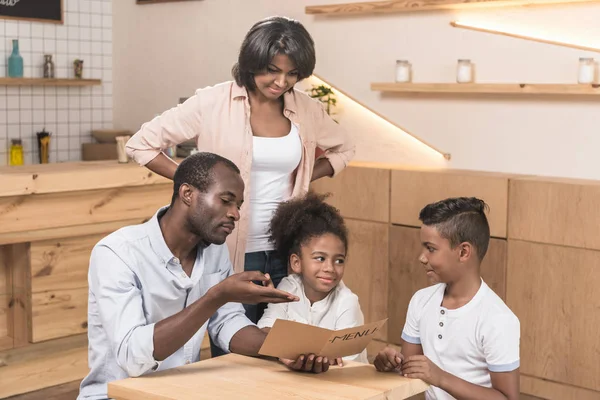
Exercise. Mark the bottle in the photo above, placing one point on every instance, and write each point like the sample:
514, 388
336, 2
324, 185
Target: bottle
15, 61
587, 70
16, 152
464, 71
403, 71
48, 66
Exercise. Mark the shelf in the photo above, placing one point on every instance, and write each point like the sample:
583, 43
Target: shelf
479, 28
48, 82
491, 88
406, 6
142, 2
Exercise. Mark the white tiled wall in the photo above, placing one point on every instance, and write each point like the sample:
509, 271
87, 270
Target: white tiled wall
69, 113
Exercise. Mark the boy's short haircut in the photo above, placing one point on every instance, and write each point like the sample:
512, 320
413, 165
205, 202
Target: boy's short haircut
460, 219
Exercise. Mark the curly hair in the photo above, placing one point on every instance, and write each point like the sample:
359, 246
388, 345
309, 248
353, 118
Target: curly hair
460, 219
298, 220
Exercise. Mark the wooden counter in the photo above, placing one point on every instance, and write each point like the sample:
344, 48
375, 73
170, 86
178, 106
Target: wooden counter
50, 218
238, 377
77, 176
543, 259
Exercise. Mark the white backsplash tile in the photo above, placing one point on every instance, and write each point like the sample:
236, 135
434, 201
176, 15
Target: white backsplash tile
68, 113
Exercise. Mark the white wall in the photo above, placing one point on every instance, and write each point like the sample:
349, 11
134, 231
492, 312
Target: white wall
69, 114
165, 51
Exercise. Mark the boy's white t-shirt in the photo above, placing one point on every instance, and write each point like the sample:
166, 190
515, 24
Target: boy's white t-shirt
339, 310
468, 342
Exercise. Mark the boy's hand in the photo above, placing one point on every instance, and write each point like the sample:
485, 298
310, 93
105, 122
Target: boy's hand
421, 367
310, 363
388, 360
336, 361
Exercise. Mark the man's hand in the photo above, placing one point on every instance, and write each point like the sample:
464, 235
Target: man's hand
421, 367
240, 288
388, 360
311, 363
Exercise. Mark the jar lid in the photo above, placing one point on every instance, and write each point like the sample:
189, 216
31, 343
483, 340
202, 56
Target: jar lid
16, 141
464, 60
402, 61
586, 59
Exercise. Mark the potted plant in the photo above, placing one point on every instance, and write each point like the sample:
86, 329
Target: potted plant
326, 96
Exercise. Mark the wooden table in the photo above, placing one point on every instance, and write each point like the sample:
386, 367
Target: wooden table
238, 377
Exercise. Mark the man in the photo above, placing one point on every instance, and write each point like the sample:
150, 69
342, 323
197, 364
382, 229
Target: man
156, 287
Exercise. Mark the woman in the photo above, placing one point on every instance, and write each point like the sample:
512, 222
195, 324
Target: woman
262, 124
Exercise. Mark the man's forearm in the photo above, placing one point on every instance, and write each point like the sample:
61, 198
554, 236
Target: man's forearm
172, 333
247, 341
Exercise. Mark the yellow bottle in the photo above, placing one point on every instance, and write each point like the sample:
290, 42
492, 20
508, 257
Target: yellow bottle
16, 152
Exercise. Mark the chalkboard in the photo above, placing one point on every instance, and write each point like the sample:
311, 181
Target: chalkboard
33, 10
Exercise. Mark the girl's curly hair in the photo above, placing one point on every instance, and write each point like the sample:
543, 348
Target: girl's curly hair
298, 220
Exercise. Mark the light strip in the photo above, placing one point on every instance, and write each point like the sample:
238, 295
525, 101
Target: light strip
480, 28
417, 139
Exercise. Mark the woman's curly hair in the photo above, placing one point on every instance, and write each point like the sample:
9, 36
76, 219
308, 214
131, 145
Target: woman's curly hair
298, 220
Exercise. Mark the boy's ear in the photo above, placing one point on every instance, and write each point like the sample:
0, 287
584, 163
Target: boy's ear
295, 263
466, 251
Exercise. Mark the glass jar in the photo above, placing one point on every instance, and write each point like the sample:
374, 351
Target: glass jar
587, 70
16, 152
464, 71
48, 66
403, 71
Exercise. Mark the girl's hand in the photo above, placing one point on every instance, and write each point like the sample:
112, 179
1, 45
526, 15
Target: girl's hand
268, 282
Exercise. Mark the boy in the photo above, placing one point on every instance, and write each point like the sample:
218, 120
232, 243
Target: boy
459, 335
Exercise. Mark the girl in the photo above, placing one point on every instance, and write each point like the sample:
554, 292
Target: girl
311, 234
262, 124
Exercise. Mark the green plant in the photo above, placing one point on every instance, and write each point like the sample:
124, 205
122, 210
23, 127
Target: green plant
326, 96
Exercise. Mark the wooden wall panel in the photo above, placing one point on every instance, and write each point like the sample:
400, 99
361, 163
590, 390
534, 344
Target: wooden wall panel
493, 267
554, 292
61, 263
17, 258
58, 313
360, 193
563, 212
547, 390
413, 190
59, 286
39, 235
6, 341
407, 274
43, 365
34, 212
366, 268
5, 279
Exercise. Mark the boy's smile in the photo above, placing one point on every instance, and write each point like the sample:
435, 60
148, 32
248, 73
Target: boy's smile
437, 257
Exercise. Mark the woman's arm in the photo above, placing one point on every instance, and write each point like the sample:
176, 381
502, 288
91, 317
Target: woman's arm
321, 169
336, 143
163, 166
173, 127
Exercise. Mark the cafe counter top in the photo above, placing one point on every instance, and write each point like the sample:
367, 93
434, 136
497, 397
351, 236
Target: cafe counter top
73, 176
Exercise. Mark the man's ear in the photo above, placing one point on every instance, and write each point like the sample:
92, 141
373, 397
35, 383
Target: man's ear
186, 193
296, 263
